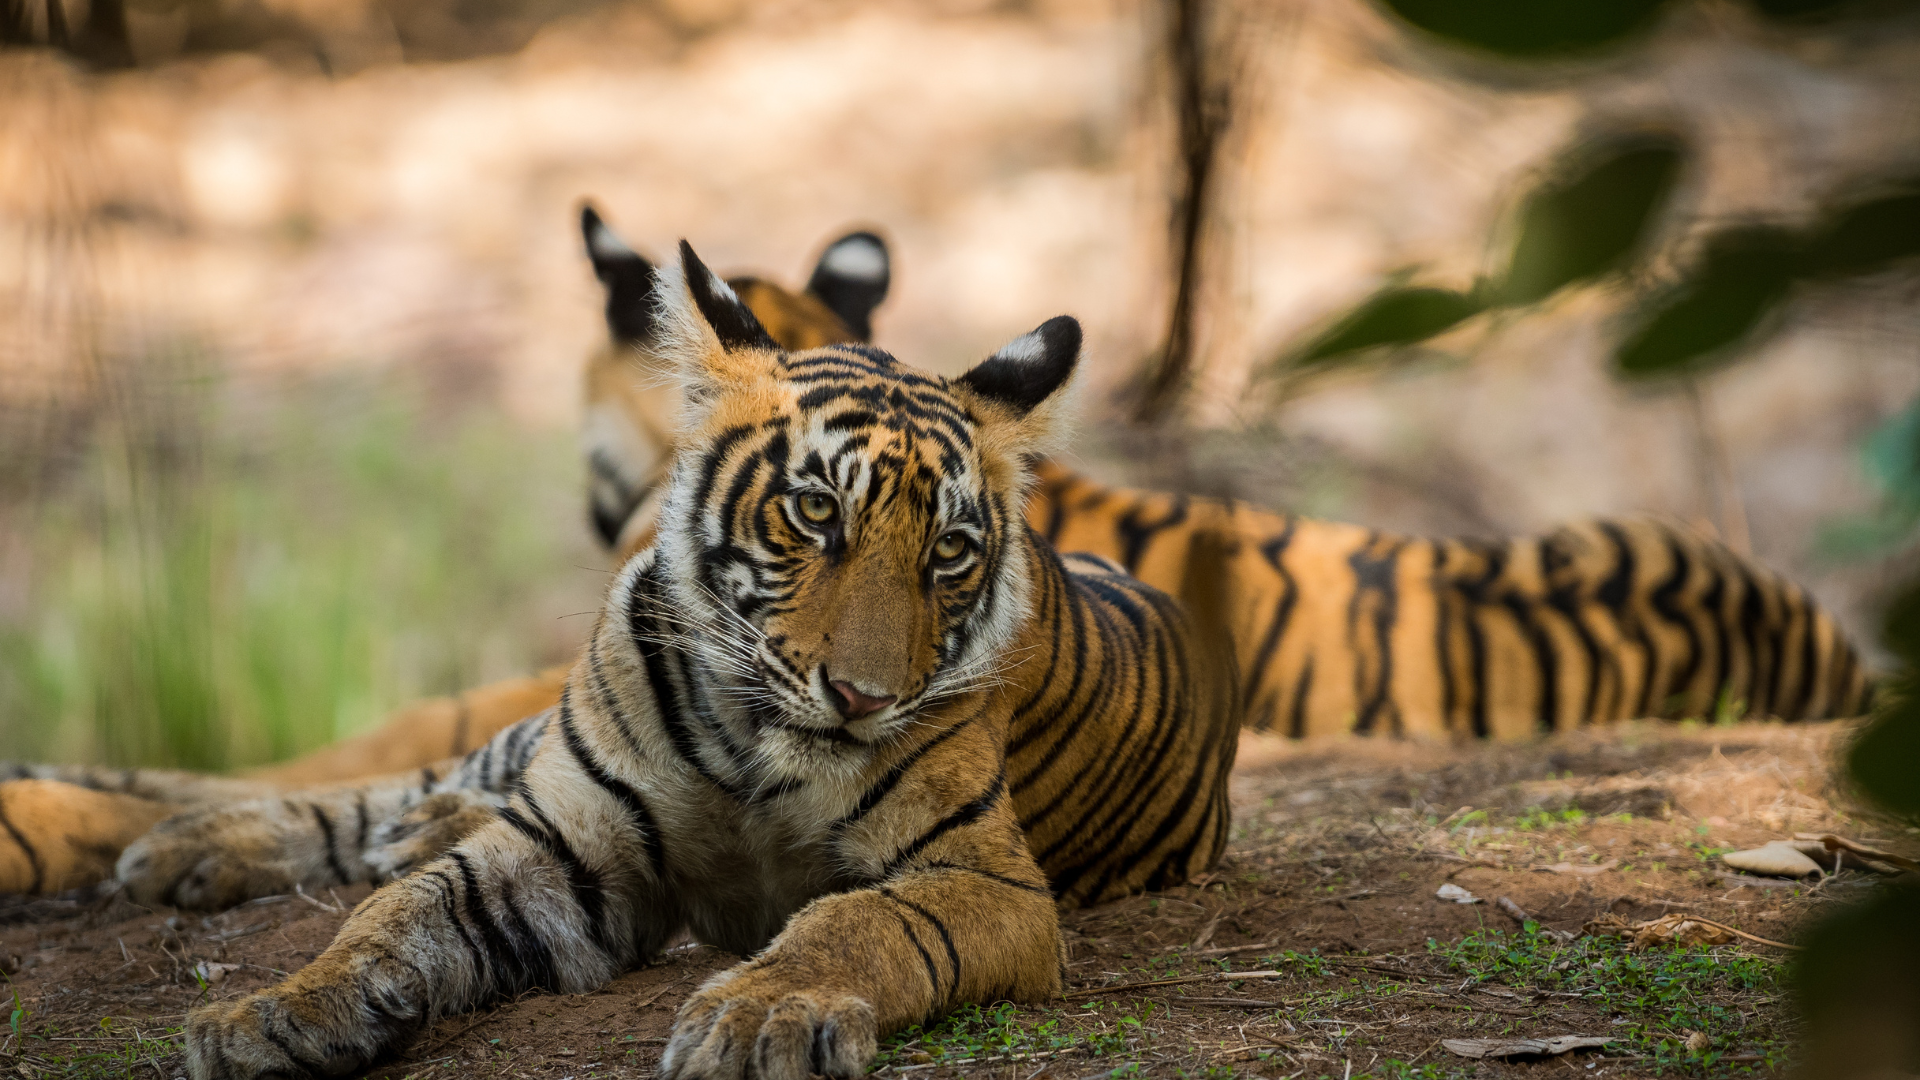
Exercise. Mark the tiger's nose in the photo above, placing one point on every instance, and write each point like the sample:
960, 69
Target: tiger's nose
853, 704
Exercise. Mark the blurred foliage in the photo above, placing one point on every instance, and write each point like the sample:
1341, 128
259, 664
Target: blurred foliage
1597, 221
1392, 316
1745, 273
217, 576
1890, 456
1591, 223
1742, 275
1533, 31
1594, 214
1528, 28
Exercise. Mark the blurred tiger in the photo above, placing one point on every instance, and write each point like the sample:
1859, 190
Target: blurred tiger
849, 716
63, 827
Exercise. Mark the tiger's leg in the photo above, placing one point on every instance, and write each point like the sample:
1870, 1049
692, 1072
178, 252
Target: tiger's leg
563, 890
962, 913
56, 836
222, 855
172, 786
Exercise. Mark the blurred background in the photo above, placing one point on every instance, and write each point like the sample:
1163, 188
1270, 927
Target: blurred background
293, 311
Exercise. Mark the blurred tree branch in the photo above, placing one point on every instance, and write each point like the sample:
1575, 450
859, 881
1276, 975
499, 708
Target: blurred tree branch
1203, 108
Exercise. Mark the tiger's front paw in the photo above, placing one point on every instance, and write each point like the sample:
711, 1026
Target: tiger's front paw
426, 832
334, 1018
211, 859
259, 1036
726, 1032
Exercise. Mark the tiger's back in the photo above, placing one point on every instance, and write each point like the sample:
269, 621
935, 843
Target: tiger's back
1342, 628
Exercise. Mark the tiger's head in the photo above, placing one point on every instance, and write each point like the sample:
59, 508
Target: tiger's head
843, 532
629, 434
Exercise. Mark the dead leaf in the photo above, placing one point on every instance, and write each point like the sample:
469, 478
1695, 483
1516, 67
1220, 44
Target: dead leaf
214, 974
1455, 894
1778, 858
1675, 929
1582, 869
1523, 1048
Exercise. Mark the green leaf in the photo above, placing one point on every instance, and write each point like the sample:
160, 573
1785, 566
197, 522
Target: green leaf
1392, 316
1594, 220
1867, 237
1530, 29
1743, 276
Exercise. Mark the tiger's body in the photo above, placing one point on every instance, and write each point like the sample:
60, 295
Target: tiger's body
1340, 628
849, 716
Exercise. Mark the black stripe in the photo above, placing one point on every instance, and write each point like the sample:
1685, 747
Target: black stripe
946, 937
326, 832
965, 815
941, 864
536, 956
636, 807
926, 958
880, 789
453, 919
582, 880
500, 956
33, 857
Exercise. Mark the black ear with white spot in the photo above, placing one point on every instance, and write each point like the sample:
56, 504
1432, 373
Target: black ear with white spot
1027, 370
851, 278
733, 322
628, 278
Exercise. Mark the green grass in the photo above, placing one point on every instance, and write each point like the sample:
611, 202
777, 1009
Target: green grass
208, 574
1653, 997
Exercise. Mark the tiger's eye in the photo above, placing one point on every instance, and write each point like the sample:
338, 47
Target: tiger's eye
817, 508
951, 546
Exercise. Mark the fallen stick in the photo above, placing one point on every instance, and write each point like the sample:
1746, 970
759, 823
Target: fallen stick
1217, 976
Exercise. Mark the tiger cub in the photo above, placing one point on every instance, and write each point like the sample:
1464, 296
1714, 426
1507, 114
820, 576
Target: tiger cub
848, 716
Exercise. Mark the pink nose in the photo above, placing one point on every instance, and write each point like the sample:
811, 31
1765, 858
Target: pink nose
853, 704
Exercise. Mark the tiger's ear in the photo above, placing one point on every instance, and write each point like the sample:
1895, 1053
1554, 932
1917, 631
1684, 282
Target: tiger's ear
709, 338
851, 278
625, 274
1026, 376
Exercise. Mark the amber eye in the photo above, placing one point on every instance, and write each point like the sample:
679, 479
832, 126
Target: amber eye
951, 546
818, 508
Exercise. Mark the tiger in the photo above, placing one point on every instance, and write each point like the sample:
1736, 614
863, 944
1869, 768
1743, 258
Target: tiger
849, 717
64, 827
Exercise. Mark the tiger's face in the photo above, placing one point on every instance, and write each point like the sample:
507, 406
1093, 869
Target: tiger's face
844, 531
629, 435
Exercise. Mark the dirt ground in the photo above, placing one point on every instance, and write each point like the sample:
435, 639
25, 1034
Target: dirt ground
1318, 947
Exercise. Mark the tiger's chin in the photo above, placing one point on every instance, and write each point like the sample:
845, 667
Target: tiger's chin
793, 752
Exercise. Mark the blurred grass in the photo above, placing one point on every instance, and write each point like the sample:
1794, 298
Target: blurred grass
208, 573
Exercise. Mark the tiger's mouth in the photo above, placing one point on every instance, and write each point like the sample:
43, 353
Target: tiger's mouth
804, 706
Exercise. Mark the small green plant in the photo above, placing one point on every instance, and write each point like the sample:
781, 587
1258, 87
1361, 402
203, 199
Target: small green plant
1540, 819
20, 1012
1656, 996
